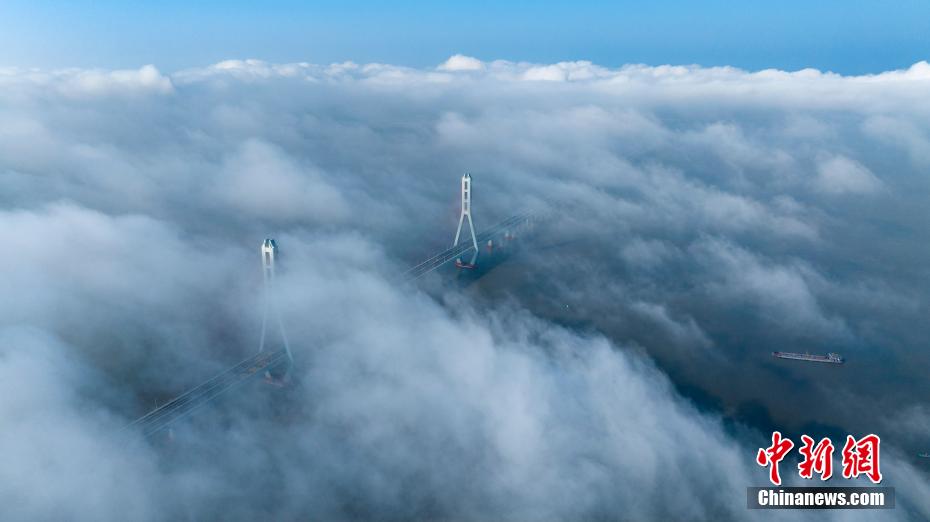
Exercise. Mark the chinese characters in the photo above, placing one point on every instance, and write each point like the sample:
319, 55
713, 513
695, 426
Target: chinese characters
859, 457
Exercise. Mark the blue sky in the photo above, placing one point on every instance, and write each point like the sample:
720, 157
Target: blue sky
849, 36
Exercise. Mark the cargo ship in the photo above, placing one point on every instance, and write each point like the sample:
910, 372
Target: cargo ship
832, 358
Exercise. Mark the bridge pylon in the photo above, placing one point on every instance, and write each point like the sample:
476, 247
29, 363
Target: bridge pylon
466, 213
269, 253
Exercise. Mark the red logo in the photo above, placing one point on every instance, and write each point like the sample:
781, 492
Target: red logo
816, 459
774, 454
860, 457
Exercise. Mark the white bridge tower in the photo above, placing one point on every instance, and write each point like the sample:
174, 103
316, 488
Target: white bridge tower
466, 213
269, 252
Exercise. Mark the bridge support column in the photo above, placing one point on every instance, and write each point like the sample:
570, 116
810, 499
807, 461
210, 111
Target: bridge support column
466, 213
269, 252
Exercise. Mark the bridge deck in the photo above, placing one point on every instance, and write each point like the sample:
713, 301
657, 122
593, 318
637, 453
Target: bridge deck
183, 405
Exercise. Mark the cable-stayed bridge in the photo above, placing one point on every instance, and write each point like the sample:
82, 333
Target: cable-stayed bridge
275, 362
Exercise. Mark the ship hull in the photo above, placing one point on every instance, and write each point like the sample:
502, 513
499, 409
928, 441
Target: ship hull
807, 357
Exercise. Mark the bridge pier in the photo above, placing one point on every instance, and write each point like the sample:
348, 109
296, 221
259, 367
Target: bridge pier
269, 253
466, 213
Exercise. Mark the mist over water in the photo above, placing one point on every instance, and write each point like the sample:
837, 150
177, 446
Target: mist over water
616, 367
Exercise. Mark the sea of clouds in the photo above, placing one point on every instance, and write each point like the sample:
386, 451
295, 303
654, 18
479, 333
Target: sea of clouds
702, 217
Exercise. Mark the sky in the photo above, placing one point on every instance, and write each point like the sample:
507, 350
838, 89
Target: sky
850, 37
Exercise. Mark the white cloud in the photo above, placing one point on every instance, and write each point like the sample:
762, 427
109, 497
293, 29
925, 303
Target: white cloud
902, 134
841, 175
459, 62
62, 451
145, 78
784, 293
264, 183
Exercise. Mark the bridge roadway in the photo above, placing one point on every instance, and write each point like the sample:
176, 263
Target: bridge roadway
456, 251
184, 405
164, 416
